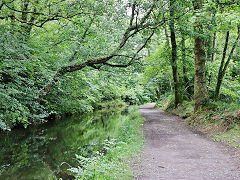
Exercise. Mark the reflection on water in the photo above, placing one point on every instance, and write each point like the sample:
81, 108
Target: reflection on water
47, 151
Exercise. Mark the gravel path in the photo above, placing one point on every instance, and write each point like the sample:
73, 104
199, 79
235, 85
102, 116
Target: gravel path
174, 152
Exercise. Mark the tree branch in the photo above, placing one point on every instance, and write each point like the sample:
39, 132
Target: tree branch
32, 23
231, 53
1, 5
23, 11
82, 38
118, 65
46, 17
228, 3
130, 31
10, 57
145, 43
132, 16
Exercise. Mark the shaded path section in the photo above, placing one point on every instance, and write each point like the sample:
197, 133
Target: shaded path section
173, 152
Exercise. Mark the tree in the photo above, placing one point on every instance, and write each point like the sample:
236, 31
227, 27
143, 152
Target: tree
174, 56
48, 43
184, 66
200, 88
136, 25
224, 65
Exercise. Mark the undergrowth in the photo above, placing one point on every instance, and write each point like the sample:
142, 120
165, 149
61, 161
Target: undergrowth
219, 120
110, 163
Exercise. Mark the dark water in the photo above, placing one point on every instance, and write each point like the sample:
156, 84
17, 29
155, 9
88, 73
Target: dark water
46, 151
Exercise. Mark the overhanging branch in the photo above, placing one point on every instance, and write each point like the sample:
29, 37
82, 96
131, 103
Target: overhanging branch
130, 32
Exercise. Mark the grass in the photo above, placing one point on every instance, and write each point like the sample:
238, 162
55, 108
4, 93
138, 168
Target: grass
231, 137
219, 120
111, 163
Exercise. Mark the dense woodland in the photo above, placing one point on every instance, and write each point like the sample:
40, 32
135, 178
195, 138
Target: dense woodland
65, 57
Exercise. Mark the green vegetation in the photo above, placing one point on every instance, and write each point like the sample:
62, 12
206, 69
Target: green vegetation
61, 58
195, 65
110, 162
219, 120
230, 137
75, 55
70, 58
48, 151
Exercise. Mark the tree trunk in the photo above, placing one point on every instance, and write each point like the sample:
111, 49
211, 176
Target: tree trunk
213, 58
223, 67
214, 46
157, 93
174, 57
208, 46
26, 28
220, 73
200, 89
167, 37
185, 78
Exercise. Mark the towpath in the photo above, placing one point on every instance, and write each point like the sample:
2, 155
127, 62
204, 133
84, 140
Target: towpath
174, 152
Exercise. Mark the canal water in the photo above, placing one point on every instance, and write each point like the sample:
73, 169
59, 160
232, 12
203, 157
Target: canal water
48, 150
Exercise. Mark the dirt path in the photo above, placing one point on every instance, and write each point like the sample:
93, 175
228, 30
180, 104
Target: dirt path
173, 152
